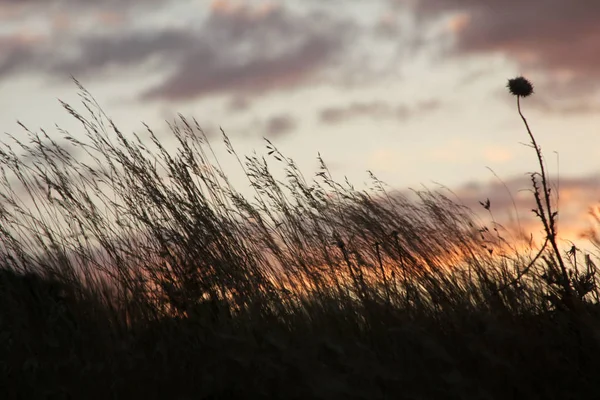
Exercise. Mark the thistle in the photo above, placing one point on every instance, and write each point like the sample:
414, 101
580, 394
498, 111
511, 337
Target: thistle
520, 87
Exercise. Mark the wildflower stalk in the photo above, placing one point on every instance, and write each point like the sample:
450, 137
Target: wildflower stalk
521, 87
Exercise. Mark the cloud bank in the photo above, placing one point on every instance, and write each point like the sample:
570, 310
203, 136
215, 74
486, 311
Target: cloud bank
236, 49
559, 38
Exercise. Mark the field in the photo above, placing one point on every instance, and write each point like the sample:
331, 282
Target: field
142, 272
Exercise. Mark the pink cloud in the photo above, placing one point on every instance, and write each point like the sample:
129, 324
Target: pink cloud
512, 208
554, 36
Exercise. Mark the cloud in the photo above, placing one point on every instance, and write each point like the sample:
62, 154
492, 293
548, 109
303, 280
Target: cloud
577, 196
575, 107
63, 14
375, 110
99, 52
19, 50
95, 53
66, 34
279, 125
557, 37
239, 103
254, 51
238, 49
31, 5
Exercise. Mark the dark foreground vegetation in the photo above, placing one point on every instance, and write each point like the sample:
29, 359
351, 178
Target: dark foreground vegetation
132, 271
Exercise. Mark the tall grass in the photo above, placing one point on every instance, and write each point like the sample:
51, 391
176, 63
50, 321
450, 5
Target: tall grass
132, 270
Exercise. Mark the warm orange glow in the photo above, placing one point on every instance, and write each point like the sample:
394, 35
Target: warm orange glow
497, 154
459, 22
225, 6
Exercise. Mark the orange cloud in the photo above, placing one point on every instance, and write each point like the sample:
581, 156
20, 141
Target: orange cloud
459, 22
576, 197
225, 6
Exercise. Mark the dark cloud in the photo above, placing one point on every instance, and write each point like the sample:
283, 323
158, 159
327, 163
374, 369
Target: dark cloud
99, 52
15, 59
21, 52
247, 53
375, 110
65, 50
280, 125
239, 103
95, 53
236, 50
555, 36
31, 5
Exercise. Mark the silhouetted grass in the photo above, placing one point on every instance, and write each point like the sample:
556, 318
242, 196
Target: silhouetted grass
132, 271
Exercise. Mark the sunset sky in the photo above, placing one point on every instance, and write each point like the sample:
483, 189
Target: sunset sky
413, 90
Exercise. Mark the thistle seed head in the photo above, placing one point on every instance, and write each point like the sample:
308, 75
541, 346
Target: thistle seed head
520, 86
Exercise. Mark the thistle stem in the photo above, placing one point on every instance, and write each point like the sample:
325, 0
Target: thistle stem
547, 221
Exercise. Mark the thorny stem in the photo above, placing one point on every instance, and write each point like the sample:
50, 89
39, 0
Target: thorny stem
548, 222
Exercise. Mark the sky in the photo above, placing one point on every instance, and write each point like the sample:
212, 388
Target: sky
412, 90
